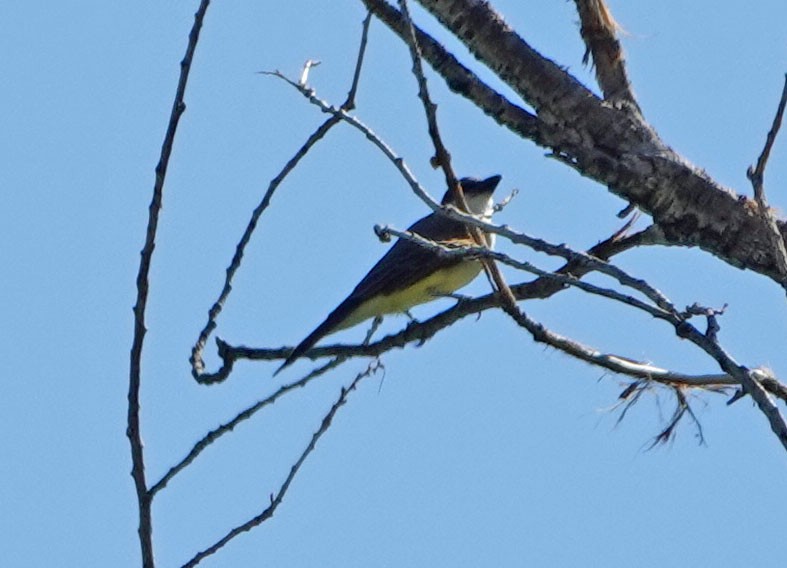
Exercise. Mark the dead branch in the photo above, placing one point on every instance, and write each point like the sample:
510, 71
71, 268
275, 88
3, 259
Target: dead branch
276, 500
563, 279
133, 431
203, 443
612, 146
196, 360
757, 174
443, 159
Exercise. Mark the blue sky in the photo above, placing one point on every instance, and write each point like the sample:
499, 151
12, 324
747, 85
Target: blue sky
479, 448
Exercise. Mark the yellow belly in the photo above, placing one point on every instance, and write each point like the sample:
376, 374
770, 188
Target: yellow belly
438, 284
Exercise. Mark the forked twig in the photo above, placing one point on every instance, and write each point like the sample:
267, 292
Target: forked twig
196, 359
442, 159
275, 500
202, 444
756, 176
684, 329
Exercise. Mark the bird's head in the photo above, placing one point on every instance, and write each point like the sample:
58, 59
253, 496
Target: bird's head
478, 194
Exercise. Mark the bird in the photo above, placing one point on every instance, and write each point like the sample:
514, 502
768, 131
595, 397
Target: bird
410, 274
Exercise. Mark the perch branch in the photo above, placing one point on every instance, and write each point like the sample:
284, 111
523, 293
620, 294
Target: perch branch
443, 159
453, 213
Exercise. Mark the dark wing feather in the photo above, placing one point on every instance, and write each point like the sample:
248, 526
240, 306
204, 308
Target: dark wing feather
392, 272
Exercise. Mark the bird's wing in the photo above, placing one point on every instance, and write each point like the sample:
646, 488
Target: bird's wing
392, 272
396, 269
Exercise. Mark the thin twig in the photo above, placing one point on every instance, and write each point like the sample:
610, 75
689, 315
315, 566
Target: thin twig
562, 279
443, 159
682, 408
349, 103
276, 500
133, 431
757, 175
682, 328
227, 427
196, 359
463, 81
353, 121
503, 230
750, 379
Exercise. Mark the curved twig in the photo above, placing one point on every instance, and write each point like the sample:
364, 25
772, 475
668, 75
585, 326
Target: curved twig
196, 359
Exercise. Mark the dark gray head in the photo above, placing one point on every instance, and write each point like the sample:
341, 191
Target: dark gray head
478, 194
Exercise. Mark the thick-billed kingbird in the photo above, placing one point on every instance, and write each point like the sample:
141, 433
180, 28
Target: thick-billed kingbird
410, 274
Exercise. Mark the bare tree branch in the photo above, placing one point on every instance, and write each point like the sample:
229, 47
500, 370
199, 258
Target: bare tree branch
276, 500
756, 176
202, 444
611, 362
196, 360
133, 431
540, 288
599, 32
459, 78
682, 408
563, 279
748, 378
682, 327
614, 147
443, 159
452, 213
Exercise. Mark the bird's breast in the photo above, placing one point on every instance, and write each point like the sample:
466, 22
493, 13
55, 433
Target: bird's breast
440, 283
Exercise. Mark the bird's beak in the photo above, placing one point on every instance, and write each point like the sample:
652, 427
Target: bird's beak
491, 182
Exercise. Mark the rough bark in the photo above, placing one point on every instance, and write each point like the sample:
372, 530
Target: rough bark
606, 141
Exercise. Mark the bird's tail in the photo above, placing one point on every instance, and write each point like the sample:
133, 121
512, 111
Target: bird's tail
332, 323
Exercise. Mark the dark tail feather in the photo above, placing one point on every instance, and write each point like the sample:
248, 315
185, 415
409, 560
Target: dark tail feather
334, 319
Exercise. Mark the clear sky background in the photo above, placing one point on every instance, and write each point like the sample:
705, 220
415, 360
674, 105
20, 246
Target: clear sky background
479, 448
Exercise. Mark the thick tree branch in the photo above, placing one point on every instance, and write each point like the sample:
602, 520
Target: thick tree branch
612, 146
459, 78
